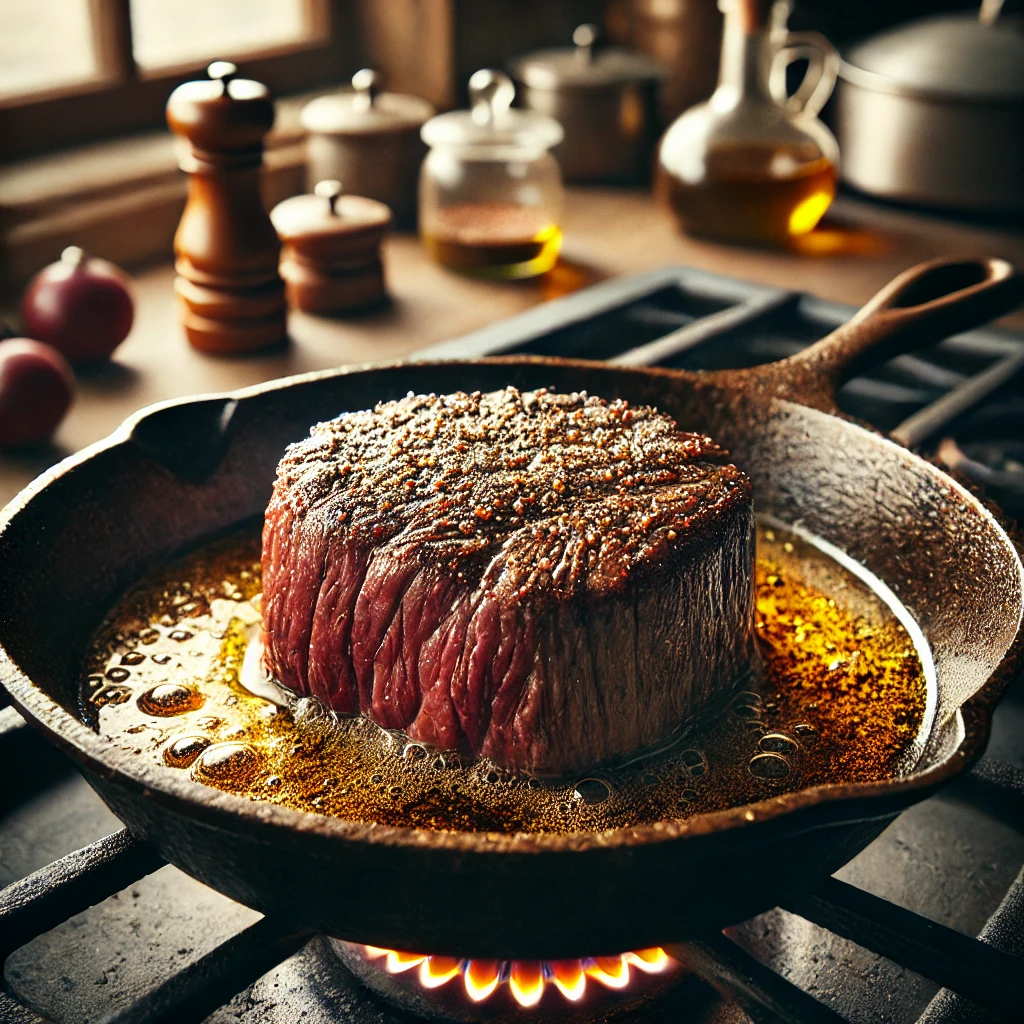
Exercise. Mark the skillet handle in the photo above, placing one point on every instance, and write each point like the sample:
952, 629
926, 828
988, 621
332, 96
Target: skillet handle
925, 304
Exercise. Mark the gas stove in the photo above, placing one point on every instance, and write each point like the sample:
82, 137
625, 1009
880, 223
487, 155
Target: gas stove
95, 928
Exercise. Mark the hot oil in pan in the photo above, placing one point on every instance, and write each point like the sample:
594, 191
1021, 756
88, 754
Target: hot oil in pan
843, 699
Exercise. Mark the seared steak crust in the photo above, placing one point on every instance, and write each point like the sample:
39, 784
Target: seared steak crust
552, 581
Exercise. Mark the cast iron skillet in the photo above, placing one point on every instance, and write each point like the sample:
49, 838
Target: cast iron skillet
175, 473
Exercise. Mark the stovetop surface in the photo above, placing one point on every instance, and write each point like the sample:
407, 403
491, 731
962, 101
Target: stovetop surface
952, 859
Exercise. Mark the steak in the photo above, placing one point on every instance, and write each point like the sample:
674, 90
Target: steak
552, 581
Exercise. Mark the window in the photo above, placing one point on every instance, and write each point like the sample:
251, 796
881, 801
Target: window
45, 44
166, 33
81, 70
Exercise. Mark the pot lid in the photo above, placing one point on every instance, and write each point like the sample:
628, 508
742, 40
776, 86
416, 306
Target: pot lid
328, 213
364, 109
955, 56
587, 64
491, 121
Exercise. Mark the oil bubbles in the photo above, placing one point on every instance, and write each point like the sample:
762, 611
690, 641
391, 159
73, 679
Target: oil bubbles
768, 766
180, 753
777, 743
168, 699
592, 791
227, 765
775, 756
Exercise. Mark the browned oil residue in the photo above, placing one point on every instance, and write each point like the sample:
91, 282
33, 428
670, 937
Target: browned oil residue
842, 699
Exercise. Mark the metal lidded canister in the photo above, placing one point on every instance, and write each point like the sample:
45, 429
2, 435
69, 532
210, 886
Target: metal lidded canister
370, 140
604, 97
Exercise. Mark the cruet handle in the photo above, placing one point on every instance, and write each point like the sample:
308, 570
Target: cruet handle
819, 79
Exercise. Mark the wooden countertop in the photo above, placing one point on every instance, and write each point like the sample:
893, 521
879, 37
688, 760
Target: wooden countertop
607, 233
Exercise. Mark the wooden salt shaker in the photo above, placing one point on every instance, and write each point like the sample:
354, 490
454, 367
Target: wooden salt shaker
330, 259
226, 248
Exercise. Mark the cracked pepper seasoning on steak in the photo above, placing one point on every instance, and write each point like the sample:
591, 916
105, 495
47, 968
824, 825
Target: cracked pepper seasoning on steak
550, 580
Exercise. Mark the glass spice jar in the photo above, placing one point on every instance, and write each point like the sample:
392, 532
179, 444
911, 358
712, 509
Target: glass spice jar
753, 164
491, 193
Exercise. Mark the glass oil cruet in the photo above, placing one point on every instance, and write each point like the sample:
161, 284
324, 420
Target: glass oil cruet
490, 190
753, 164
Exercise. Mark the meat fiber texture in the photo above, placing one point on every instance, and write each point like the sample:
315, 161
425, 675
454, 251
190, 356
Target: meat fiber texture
551, 581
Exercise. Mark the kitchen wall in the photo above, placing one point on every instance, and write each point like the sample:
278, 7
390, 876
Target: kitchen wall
845, 22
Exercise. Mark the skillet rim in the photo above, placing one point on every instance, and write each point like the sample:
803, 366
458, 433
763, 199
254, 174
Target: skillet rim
183, 796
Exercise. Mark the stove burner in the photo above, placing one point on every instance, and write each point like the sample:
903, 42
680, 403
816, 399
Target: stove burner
996, 465
463, 989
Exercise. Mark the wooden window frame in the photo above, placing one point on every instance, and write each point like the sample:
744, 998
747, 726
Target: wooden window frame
123, 98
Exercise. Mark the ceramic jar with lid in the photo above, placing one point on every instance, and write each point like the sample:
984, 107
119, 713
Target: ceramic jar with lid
370, 140
605, 99
490, 190
330, 255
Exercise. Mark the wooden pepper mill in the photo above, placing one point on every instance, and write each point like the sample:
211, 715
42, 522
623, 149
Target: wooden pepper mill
226, 248
331, 258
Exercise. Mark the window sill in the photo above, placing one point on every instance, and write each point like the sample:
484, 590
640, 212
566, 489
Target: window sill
122, 199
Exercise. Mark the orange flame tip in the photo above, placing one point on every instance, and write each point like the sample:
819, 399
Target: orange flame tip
611, 971
436, 971
651, 961
569, 978
481, 979
527, 982
399, 962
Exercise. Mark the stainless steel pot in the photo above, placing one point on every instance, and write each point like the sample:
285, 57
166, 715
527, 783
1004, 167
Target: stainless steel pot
604, 98
933, 112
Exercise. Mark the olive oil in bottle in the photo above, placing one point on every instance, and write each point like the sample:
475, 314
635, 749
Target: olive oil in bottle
753, 194
751, 164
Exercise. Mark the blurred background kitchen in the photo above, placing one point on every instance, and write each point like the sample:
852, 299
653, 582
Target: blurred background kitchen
844, 142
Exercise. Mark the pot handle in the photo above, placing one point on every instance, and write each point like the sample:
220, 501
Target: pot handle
925, 304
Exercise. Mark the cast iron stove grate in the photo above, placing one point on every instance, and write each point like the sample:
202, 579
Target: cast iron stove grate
109, 933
